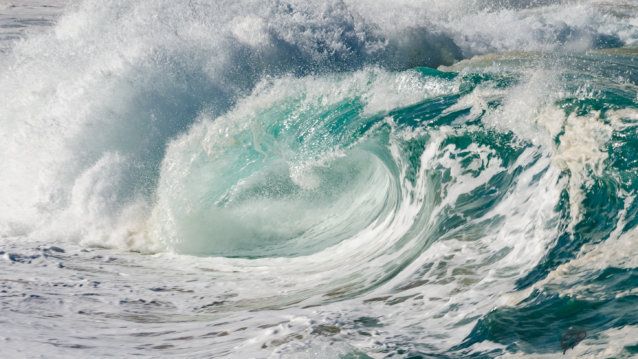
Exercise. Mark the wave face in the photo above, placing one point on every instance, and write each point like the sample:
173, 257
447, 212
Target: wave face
322, 179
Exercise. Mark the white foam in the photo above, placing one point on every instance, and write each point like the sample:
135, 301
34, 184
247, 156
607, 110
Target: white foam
581, 152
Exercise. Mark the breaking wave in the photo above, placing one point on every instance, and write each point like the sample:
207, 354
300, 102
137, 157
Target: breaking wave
314, 154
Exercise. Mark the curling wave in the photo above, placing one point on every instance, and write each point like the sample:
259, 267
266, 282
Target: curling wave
304, 169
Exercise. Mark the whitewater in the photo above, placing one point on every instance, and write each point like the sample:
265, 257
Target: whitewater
319, 179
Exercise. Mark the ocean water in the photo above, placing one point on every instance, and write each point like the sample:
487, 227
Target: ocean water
319, 179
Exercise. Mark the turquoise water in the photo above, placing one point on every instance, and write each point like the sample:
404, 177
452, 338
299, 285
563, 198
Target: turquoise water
342, 179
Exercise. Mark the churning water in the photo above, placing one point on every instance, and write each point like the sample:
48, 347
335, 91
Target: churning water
321, 179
